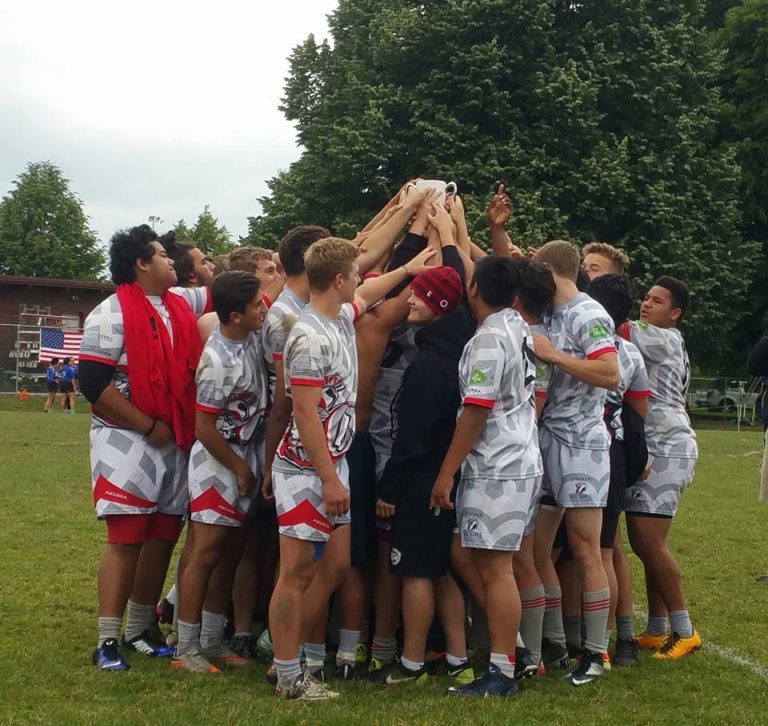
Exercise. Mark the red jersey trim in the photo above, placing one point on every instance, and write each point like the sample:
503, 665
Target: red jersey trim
483, 402
637, 394
313, 382
601, 351
371, 275
207, 409
540, 394
208, 301
266, 300
277, 356
356, 311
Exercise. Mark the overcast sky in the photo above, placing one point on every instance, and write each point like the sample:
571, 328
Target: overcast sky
152, 108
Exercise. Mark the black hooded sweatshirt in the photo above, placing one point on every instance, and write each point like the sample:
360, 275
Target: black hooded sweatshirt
428, 400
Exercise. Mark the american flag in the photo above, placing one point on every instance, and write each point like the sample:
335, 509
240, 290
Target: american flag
60, 343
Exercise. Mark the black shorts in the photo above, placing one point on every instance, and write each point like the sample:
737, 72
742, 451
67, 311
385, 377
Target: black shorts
420, 540
52, 387
66, 387
607, 535
618, 483
361, 460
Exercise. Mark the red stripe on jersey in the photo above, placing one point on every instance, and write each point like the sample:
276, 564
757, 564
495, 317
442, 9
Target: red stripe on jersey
207, 409
208, 301
305, 513
624, 331
267, 302
314, 382
483, 402
356, 311
106, 490
277, 356
211, 500
601, 351
637, 394
540, 394
371, 275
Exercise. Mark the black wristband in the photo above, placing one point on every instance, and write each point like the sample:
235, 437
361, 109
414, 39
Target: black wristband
149, 431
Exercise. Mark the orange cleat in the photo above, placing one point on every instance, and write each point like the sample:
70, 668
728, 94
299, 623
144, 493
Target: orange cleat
676, 648
645, 641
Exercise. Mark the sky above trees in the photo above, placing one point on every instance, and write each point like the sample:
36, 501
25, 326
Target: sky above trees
152, 108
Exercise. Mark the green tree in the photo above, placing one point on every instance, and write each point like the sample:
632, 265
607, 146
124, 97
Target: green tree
206, 233
744, 42
599, 117
44, 230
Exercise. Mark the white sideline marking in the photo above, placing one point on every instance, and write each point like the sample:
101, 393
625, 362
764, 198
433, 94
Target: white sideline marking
728, 654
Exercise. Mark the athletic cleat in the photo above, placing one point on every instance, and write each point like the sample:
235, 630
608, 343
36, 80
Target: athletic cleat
244, 646
193, 661
525, 664
223, 654
149, 646
348, 671
606, 662
306, 688
271, 675
625, 653
676, 647
172, 638
492, 683
318, 673
590, 668
107, 657
264, 645
644, 641
374, 665
396, 674
361, 653
463, 673
164, 611
554, 656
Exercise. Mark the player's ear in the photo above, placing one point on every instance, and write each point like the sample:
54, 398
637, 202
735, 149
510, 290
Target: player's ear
676, 314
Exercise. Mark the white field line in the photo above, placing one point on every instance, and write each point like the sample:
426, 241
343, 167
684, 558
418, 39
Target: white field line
729, 654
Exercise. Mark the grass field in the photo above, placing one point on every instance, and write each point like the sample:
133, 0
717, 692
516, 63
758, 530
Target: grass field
51, 543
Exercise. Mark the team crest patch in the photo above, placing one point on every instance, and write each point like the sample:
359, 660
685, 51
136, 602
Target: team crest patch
395, 556
476, 377
598, 331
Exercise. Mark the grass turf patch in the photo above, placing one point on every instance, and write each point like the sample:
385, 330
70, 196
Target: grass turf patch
51, 545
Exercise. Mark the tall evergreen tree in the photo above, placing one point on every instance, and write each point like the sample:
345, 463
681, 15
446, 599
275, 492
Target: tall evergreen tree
44, 230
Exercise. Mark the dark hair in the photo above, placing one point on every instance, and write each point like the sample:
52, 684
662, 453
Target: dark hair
231, 292
54, 360
535, 286
496, 279
295, 244
614, 293
66, 361
678, 290
182, 261
127, 246
582, 280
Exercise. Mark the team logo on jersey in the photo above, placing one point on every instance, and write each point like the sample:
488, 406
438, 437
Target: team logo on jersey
642, 325
476, 377
581, 488
598, 331
472, 527
395, 556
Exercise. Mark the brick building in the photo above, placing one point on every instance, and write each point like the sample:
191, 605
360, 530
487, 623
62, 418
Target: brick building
30, 303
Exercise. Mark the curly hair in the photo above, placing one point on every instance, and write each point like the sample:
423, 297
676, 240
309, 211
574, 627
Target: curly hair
127, 246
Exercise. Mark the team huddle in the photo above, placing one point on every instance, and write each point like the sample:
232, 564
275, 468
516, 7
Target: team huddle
432, 435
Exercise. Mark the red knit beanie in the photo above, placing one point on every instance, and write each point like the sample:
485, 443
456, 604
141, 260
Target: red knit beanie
439, 288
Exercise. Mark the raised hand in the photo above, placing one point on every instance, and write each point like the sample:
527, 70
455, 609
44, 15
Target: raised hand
499, 209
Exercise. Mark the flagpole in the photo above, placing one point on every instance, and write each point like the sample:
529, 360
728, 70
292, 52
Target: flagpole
18, 332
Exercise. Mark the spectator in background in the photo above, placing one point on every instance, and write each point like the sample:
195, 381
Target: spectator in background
67, 386
51, 383
757, 365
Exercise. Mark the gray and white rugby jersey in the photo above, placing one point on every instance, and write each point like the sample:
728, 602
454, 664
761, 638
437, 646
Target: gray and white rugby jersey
104, 338
633, 383
574, 410
668, 429
232, 382
497, 371
543, 370
400, 353
321, 352
278, 323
